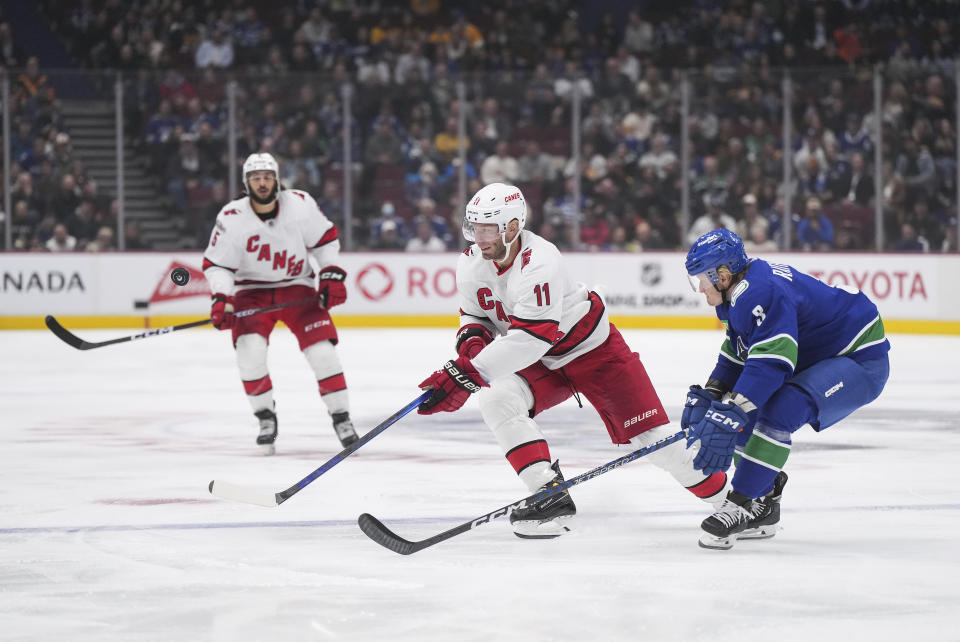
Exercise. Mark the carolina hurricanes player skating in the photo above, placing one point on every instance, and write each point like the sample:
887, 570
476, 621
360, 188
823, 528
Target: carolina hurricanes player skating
530, 338
258, 256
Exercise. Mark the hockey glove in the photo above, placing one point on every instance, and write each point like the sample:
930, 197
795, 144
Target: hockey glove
452, 385
717, 432
471, 339
698, 400
221, 312
332, 290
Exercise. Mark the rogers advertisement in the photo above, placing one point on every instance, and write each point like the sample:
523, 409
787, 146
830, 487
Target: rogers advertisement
906, 287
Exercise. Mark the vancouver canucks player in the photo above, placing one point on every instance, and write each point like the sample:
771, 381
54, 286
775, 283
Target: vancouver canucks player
797, 351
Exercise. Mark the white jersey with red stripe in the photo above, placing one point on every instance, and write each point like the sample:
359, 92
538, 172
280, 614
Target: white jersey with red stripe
246, 252
538, 311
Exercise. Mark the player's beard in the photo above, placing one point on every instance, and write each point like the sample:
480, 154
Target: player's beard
271, 197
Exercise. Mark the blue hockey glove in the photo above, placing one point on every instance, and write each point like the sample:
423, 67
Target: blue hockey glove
698, 400
717, 432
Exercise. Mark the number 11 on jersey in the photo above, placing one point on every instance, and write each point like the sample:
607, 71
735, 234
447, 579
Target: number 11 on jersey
543, 293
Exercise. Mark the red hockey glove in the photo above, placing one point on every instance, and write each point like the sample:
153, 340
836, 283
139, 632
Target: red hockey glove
471, 339
221, 312
332, 290
452, 385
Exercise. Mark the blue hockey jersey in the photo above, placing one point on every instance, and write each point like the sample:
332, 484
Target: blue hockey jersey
780, 321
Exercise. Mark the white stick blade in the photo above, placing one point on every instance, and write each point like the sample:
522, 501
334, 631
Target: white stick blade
233, 492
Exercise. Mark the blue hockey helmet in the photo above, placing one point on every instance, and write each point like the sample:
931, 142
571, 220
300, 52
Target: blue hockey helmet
711, 251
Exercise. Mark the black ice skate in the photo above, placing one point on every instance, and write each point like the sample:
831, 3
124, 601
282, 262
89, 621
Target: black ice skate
344, 428
268, 430
766, 512
545, 519
733, 517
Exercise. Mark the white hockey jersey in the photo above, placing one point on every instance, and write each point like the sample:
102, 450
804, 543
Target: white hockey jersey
540, 313
246, 252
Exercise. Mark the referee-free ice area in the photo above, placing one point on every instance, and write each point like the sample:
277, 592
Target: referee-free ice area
108, 532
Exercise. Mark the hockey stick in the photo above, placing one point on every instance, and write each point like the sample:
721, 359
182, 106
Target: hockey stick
226, 490
375, 530
73, 340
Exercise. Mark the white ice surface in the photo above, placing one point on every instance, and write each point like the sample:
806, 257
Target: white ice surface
107, 531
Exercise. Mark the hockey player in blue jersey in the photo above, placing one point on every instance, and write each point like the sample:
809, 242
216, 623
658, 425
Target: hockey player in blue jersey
797, 351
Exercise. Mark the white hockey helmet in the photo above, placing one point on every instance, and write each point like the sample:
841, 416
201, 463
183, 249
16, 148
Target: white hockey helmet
495, 203
261, 162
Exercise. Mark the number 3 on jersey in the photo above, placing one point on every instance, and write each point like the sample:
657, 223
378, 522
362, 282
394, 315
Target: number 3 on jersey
760, 314
542, 290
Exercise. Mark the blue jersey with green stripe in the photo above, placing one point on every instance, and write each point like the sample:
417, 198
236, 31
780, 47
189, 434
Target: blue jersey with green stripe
780, 321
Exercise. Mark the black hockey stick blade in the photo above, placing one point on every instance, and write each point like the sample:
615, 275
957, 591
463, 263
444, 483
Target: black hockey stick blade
65, 335
73, 340
270, 499
375, 529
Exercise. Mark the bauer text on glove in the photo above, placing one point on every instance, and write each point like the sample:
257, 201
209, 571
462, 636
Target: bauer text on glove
452, 385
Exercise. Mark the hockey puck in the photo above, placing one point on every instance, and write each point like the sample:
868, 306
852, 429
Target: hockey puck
180, 276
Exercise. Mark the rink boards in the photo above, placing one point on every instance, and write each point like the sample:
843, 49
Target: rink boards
915, 293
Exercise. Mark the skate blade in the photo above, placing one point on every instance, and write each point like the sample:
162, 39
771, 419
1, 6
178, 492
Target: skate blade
763, 532
533, 529
346, 443
266, 449
716, 543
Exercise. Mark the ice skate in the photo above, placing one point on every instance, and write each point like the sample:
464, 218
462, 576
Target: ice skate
344, 428
721, 528
268, 430
547, 518
741, 517
766, 512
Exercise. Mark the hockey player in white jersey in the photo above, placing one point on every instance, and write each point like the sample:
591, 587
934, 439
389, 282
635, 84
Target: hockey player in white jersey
531, 338
258, 256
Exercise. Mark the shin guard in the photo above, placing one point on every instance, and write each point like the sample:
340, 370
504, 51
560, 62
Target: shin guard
251, 352
505, 408
331, 384
677, 460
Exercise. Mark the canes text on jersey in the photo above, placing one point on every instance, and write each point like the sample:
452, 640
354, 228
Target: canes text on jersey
293, 265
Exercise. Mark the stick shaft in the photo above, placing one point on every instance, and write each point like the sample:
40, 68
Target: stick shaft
259, 497
73, 340
375, 529
346, 452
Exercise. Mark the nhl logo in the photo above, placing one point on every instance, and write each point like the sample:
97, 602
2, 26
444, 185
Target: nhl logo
650, 274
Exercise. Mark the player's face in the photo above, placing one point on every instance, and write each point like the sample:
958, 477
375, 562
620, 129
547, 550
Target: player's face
488, 239
262, 184
714, 297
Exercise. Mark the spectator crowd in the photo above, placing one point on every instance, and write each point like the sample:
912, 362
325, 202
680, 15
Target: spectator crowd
521, 65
